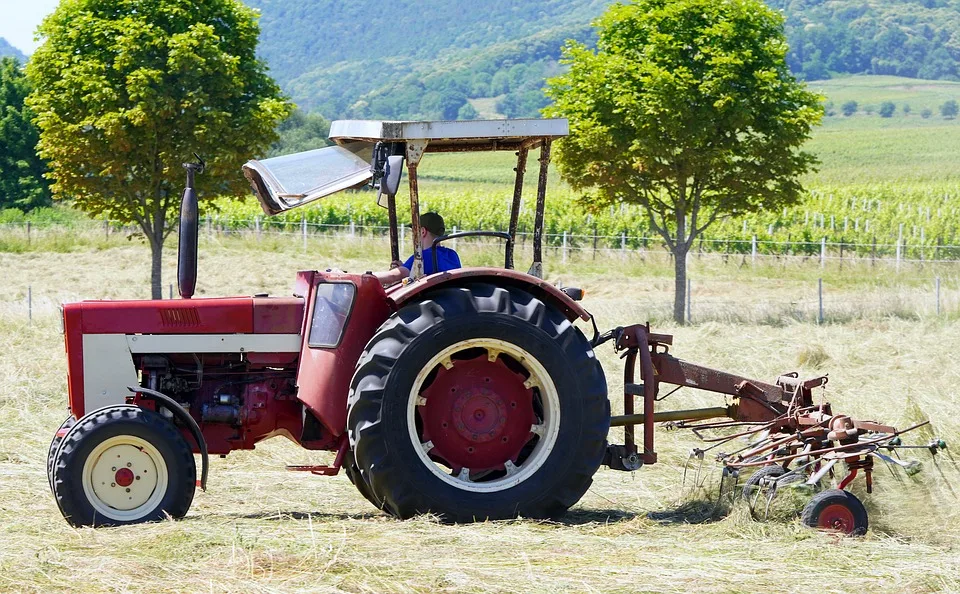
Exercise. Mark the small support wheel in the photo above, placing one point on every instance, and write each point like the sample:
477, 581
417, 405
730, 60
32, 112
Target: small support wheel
753, 483
836, 511
123, 465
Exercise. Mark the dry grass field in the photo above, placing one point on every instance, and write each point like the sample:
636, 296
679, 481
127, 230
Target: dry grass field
262, 529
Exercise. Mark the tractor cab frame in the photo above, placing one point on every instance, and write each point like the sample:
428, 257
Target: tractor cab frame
373, 151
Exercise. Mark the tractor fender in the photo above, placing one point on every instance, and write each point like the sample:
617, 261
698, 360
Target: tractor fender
539, 288
174, 407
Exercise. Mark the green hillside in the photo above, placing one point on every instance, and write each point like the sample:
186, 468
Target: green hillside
329, 55
8, 50
913, 38
441, 59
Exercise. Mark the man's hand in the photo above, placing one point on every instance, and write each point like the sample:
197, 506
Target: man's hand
395, 264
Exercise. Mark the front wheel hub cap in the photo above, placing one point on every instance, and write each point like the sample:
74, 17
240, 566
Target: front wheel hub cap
478, 414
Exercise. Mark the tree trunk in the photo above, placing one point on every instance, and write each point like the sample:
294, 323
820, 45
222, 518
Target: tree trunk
156, 280
680, 282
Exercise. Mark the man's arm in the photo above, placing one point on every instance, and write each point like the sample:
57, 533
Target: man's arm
397, 273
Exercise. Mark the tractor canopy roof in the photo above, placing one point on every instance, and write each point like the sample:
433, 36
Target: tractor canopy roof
282, 183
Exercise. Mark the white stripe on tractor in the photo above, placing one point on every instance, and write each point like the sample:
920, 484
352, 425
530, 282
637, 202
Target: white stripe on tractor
214, 343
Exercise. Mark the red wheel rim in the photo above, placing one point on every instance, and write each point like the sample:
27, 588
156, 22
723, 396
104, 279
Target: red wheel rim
837, 517
477, 413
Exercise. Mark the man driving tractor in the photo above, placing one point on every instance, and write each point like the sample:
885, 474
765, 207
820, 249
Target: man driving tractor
431, 227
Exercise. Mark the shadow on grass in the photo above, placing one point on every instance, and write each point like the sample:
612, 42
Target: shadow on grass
581, 516
295, 515
697, 511
574, 517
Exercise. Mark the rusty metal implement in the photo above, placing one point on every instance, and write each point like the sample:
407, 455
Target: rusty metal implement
790, 438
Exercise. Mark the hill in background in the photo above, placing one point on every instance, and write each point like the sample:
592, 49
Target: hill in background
422, 58
8, 50
439, 59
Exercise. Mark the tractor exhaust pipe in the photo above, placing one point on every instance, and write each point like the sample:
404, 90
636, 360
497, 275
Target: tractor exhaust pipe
189, 233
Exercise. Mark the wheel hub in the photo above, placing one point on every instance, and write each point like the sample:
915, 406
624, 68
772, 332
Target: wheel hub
837, 517
477, 413
124, 477
479, 416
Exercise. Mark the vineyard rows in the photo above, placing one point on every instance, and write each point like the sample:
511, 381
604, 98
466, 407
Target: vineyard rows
869, 222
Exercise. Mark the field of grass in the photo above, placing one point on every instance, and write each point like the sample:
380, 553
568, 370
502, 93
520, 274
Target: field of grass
261, 529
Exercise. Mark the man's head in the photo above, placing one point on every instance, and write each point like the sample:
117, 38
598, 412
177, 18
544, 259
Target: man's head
431, 227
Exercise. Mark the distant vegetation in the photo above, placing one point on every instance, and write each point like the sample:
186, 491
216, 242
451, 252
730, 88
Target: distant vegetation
912, 38
7, 50
432, 58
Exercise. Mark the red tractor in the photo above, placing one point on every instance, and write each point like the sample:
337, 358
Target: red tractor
469, 393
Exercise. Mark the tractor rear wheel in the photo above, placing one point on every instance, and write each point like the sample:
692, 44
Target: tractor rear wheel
353, 473
123, 465
55, 445
479, 402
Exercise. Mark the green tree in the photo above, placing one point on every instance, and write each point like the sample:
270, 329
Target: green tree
949, 109
127, 90
301, 132
467, 112
849, 108
926, 112
887, 109
704, 121
22, 184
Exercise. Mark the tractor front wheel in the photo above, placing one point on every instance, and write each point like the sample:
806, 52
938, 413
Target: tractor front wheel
479, 402
123, 465
55, 446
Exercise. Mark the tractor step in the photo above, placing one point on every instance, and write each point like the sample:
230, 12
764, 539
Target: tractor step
321, 470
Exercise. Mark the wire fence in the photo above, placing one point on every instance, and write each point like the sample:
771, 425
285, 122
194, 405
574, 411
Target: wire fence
757, 301
752, 300
753, 251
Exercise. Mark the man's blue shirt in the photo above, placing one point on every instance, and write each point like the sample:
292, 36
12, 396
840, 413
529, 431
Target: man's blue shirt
447, 259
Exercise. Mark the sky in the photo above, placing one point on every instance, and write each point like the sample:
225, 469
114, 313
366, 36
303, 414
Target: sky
19, 19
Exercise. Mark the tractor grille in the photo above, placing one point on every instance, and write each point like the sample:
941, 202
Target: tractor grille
180, 317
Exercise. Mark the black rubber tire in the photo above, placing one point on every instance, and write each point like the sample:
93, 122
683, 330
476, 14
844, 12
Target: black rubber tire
353, 473
381, 387
754, 481
113, 421
55, 445
818, 504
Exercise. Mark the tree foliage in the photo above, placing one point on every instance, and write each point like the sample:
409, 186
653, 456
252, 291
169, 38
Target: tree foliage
300, 132
127, 90
887, 109
687, 108
21, 171
849, 108
949, 109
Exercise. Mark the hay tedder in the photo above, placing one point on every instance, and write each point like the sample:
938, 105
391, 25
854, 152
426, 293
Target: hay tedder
470, 393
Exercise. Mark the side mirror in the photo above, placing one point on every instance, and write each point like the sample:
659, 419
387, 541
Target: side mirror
391, 175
